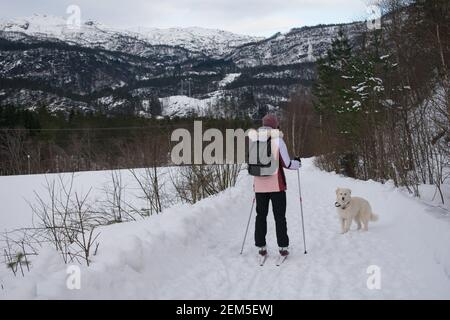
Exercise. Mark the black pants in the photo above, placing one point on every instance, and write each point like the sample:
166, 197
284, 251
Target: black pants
279, 211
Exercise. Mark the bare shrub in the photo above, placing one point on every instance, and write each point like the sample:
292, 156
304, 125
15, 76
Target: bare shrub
18, 246
151, 186
115, 208
196, 182
12, 151
67, 220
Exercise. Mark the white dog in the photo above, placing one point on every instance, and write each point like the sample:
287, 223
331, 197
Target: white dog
353, 208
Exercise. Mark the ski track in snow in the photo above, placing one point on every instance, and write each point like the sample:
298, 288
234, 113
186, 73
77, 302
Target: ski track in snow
192, 252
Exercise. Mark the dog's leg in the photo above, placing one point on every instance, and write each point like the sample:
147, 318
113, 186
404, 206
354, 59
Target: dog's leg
342, 226
365, 224
358, 221
348, 224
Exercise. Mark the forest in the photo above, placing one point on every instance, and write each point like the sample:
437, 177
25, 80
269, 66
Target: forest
380, 109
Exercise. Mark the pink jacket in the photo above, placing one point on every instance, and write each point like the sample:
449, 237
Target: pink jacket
277, 181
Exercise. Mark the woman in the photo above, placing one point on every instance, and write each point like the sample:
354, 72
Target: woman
272, 188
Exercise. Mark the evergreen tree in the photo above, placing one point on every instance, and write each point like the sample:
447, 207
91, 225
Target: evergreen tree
155, 106
332, 86
350, 82
261, 111
247, 104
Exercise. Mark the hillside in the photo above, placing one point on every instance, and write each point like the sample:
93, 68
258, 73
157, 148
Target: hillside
44, 62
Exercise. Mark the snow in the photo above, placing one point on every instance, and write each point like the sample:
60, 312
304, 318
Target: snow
378, 88
356, 104
229, 78
106, 100
183, 105
119, 85
430, 195
192, 251
388, 102
376, 80
18, 192
44, 24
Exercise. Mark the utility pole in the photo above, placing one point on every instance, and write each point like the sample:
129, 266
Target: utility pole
89, 148
189, 83
320, 124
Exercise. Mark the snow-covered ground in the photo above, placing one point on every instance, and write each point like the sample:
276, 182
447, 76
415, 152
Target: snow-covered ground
192, 251
182, 106
17, 193
229, 78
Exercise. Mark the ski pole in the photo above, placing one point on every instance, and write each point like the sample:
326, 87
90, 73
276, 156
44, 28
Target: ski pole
301, 209
248, 224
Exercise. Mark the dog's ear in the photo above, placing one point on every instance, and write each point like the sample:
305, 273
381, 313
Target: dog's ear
337, 190
349, 192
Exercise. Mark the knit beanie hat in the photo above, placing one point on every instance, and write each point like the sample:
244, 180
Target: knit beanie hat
270, 120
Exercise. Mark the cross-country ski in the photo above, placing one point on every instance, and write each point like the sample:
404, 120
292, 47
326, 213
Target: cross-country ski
262, 260
280, 260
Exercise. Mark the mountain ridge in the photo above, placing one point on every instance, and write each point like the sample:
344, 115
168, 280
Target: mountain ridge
213, 42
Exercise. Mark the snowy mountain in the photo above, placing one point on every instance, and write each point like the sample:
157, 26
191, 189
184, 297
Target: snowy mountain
44, 61
211, 42
208, 42
296, 46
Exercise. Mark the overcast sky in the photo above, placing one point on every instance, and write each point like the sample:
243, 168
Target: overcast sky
253, 17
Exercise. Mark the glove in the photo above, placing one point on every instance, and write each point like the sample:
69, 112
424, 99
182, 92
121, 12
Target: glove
299, 161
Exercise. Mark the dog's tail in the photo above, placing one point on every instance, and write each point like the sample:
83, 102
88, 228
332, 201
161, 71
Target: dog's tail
373, 217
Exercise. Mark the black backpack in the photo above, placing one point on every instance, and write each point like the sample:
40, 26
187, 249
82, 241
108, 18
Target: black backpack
259, 158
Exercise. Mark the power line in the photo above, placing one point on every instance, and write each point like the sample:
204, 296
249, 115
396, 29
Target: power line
87, 129
130, 127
